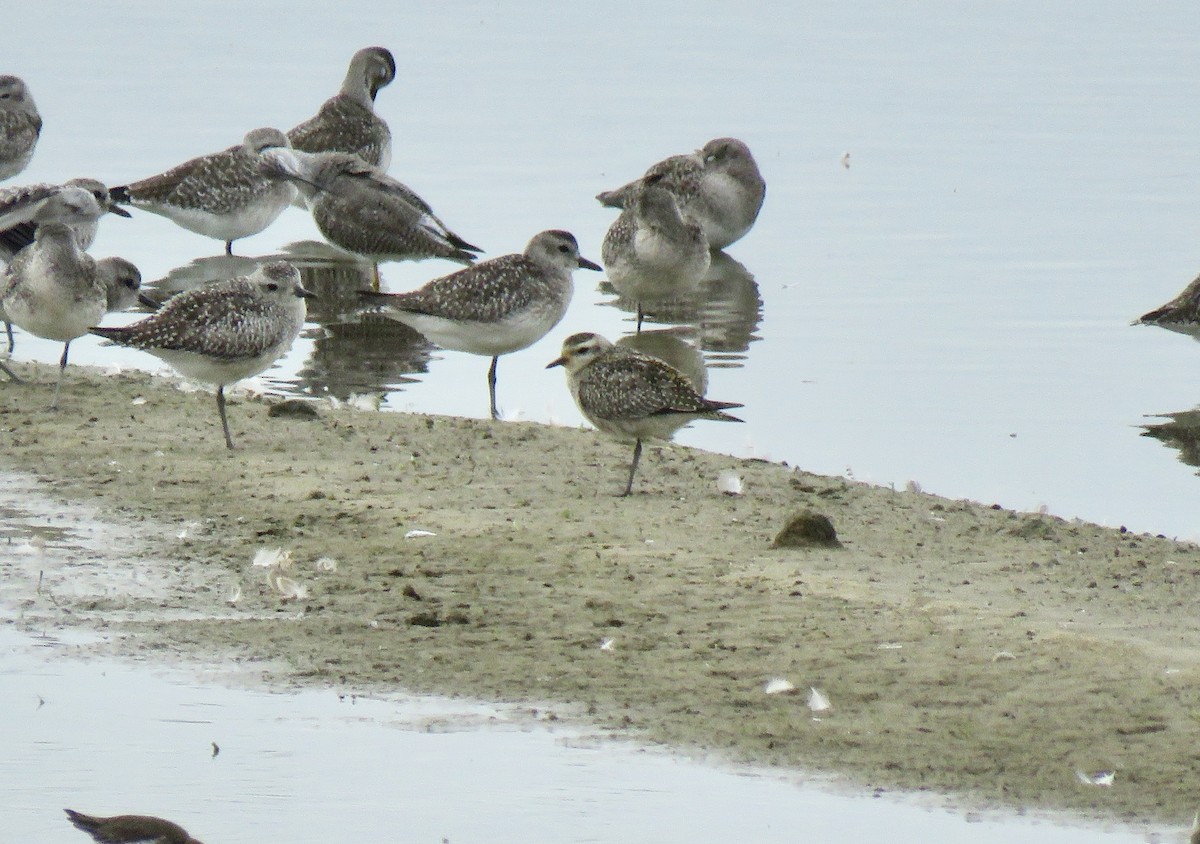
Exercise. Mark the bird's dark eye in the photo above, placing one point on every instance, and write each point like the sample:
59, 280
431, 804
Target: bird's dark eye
272, 287
131, 284
562, 247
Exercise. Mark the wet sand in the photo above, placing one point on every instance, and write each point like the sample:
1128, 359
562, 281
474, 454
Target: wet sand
964, 648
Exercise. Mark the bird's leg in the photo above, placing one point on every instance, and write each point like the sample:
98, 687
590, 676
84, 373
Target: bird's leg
229, 248
492, 386
12, 343
637, 453
224, 420
12, 375
640, 315
62, 367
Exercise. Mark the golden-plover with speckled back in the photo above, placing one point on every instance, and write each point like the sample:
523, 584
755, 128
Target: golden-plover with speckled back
630, 395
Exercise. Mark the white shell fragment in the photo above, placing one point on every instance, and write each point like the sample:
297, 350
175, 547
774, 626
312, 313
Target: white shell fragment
326, 564
414, 534
1101, 778
272, 558
729, 483
285, 587
817, 701
778, 686
607, 644
234, 594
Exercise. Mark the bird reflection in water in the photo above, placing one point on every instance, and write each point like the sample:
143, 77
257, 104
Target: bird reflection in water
1182, 432
723, 314
353, 354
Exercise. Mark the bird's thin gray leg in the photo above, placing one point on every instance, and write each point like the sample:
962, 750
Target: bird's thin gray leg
640, 315
62, 367
637, 453
492, 386
16, 380
12, 343
224, 420
229, 247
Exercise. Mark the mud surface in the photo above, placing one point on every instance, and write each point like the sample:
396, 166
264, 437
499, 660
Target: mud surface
962, 648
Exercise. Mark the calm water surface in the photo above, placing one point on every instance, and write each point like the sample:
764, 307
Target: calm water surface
320, 766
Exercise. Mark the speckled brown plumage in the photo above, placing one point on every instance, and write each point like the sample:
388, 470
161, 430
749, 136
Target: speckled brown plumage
362, 210
347, 121
495, 307
226, 321
223, 195
651, 251
630, 395
20, 126
217, 183
224, 332
719, 185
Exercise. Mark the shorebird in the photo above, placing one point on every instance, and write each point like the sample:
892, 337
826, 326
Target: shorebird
1181, 314
719, 185
20, 126
347, 121
222, 195
362, 210
652, 252
223, 332
23, 208
55, 290
496, 307
130, 829
630, 395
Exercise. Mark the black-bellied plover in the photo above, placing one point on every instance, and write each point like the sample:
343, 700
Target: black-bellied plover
223, 332
496, 307
222, 195
719, 185
20, 126
651, 251
630, 395
362, 210
23, 208
347, 121
55, 290
130, 829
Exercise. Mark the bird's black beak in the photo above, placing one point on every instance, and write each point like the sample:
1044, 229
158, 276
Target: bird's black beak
585, 264
303, 292
118, 210
554, 363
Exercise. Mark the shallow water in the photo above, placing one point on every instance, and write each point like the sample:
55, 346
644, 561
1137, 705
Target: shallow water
314, 766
